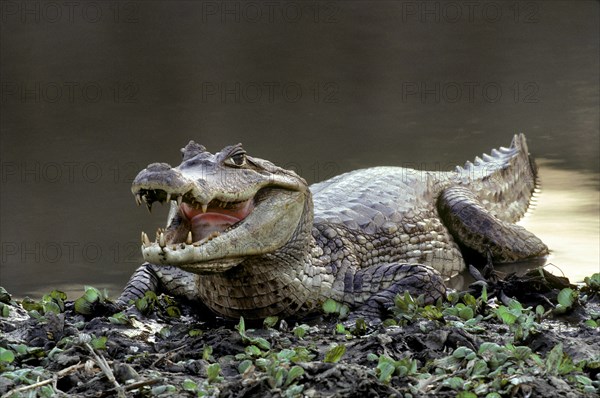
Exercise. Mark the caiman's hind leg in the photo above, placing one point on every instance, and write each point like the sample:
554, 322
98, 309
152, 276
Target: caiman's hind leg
377, 286
475, 227
149, 277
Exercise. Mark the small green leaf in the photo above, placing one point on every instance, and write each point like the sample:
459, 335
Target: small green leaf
51, 306
213, 371
195, 332
173, 311
4, 296
91, 294
330, 306
189, 385
480, 368
262, 343
466, 313
484, 294
294, 372
461, 352
372, 357
335, 353
253, 351
522, 352
554, 358
165, 332
286, 354
454, 383
119, 319
244, 365
300, 331
539, 310
279, 375
20, 349
4, 310
386, 370
99, 343
360, 328
515, 305
505, 315
586, 381
270, 321
30, 305
591, 323
142, 305
82, 306
6, 356
489, 346
565, 297
241, 327
207, 352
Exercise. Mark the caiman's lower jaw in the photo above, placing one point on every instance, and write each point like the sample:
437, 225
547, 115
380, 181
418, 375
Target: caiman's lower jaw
214, 237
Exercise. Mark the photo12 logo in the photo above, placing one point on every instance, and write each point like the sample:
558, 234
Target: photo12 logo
69, 252
470, 11
427, 92
67, 172
270, 11
235, 92
36, 92
43, 11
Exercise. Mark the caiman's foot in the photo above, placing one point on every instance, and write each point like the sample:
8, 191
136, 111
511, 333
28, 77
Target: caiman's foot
475, 227
389, 280
144, 279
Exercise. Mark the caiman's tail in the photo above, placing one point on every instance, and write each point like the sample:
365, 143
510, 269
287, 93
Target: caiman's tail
504, 181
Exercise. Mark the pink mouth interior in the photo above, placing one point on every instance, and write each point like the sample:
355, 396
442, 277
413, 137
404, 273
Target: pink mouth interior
216, 218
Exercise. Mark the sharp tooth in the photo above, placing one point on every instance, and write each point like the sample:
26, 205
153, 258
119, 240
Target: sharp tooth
145, 239
168, 197
149, 206
179, 200
138, 199
161, 240
204, 208
142, 236
188, 240
213, 235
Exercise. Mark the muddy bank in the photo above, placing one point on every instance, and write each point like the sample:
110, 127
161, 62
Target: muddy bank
478, 344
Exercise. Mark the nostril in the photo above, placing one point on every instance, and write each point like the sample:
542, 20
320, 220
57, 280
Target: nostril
158, 167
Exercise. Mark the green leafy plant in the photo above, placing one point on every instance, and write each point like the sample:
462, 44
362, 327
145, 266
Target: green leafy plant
257, 341
333, 307
335, 353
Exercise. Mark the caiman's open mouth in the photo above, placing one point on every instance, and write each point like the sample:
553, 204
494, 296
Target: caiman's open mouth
218, 235
198, 222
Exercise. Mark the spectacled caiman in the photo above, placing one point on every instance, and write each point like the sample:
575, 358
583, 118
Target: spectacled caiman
245, 237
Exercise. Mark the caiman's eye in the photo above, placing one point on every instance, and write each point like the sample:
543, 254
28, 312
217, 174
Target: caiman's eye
237, 159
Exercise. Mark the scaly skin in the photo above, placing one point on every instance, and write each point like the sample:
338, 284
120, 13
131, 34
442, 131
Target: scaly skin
359, 238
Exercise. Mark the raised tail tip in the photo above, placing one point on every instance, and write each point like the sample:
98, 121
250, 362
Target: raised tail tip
519, 142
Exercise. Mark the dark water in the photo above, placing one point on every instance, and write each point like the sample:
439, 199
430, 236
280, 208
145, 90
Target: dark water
94, 91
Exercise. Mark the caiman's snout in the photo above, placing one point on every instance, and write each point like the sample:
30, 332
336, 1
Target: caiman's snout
157, 183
